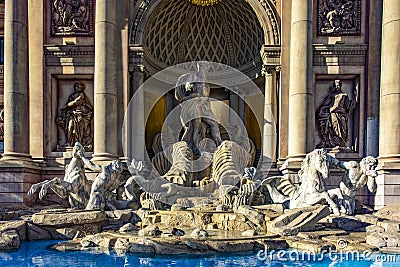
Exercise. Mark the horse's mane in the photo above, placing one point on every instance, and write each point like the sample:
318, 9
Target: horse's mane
305, 164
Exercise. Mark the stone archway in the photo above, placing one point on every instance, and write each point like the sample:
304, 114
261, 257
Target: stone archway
248, 26
264, 9
226, 32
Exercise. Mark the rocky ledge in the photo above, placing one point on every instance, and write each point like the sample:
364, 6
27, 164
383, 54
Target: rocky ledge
203, 231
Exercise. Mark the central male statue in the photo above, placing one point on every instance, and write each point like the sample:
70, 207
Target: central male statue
192, 91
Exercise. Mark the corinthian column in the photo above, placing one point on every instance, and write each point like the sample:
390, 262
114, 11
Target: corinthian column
271, 59
105, 85
301, 99
16, 99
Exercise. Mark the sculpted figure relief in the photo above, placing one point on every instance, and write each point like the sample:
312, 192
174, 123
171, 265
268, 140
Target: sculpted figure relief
339, 17
75, 118
70, 16
333, 117
192, 92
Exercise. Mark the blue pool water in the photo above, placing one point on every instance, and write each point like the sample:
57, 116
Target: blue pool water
36, 254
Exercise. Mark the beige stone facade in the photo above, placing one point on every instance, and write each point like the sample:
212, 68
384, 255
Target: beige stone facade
291, 50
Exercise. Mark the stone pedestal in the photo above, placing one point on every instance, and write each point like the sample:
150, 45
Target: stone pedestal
388, 182
15, 182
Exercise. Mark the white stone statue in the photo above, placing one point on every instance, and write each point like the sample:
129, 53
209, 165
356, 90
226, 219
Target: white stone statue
357, 175
75, 186
192, 91
314, 170
104, 184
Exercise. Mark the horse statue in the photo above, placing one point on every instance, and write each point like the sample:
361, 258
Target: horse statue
75, 186
311, 191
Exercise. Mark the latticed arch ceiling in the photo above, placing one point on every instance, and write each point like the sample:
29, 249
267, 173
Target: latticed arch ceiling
227, 32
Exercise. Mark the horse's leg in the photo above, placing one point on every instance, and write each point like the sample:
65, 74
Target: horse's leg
35, 187
60, 190
46, 185
195, 135
214, 130
341, 201
331, 203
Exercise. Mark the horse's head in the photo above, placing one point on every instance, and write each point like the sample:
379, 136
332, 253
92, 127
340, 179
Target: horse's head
317, 161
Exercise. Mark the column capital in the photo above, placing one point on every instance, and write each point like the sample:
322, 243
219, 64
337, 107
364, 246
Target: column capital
136, 68
270, 69
136, 54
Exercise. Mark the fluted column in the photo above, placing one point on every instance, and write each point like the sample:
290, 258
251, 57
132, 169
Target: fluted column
16, 98
301, 99
105, 85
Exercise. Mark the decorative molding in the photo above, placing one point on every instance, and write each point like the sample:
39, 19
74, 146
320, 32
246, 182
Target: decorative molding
136, 54
339, 17
272, 18
204, 2
71, 18
141, 8
69, 55
271, 55
339, 54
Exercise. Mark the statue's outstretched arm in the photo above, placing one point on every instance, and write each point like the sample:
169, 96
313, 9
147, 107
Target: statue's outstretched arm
335, 162
88, 164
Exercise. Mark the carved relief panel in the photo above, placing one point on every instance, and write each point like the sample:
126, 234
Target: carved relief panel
71, 17
339, 17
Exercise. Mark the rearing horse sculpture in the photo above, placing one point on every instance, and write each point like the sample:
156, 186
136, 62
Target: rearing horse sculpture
311, 191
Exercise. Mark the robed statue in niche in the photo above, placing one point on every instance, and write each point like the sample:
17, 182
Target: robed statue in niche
75, 118
192, 91
333, 117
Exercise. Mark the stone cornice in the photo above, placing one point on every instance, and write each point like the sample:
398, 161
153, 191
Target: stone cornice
271, 55
339, 54
69, 55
